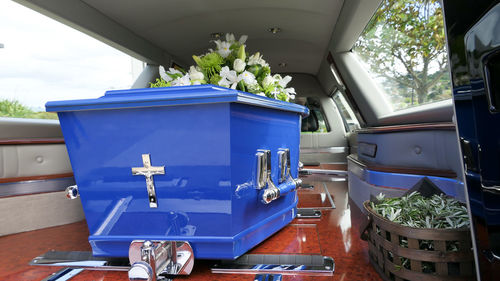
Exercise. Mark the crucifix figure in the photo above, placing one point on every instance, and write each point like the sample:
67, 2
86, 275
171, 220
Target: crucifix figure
149, 171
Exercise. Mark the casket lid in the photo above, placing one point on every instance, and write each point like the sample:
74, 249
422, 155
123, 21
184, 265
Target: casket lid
171, 96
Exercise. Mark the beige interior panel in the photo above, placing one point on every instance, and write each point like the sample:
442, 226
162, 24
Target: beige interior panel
33, 160
30, 212
19, 128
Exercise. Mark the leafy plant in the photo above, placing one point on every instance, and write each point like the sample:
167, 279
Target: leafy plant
414, 210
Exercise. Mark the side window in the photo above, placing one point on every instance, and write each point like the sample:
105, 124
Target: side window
316, 121
403, 47
42, 60
348, 117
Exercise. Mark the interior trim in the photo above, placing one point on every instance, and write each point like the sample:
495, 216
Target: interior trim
35, 186
36, 178
402, 170
332, 150
347, 92
32, 141
448, 126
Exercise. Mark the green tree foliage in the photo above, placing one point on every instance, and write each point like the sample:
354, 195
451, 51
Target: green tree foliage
9, 108
405, 44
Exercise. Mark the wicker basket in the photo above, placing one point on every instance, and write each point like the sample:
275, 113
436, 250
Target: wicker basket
396, 262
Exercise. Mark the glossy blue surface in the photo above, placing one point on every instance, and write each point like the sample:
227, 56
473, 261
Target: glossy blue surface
207, 194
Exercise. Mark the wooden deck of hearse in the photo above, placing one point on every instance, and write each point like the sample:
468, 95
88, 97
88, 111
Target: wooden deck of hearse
336, 234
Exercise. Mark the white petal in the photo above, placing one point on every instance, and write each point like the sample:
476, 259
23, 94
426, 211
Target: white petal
243, 39
230, 37
285, 81
164, 75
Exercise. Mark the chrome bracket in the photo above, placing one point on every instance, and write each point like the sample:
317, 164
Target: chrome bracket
305, 265
306, 213
72, 192
151, 259
148, 172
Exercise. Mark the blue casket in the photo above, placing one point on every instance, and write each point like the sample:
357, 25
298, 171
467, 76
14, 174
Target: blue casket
181, 164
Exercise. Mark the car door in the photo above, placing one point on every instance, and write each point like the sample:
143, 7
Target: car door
473, 33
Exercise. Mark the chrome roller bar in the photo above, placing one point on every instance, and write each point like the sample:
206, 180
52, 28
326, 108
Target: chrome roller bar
148, 260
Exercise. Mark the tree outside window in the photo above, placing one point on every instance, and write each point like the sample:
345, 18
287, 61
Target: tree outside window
404, 48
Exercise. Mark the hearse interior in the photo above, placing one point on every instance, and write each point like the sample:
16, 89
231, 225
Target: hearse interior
355, 143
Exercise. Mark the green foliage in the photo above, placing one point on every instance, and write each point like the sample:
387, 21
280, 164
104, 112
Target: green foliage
160, 83
210, 64
405, 44
13, 108
214, 80
414, 210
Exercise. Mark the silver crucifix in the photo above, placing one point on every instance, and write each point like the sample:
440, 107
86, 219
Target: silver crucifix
149, 171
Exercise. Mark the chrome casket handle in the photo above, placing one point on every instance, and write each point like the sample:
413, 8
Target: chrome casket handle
286, 182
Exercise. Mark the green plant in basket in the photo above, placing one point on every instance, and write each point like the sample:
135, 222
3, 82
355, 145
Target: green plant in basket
230, 66
415, 210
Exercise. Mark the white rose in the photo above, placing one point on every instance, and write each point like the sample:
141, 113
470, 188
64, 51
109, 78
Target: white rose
194, 74
239, 65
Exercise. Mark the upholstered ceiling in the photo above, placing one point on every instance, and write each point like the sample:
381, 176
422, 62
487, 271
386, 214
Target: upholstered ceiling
181, 28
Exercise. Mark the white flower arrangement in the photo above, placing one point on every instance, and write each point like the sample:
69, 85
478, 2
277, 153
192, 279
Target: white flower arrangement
230, 66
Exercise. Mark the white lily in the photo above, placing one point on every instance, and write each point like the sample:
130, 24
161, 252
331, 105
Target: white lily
163, 74
182, 81
195, 74
247, 77
243, 39
290, 92
223, 48
282, 82
230, 37
268, 80
229, 77
261, 94
239, 65
257, 59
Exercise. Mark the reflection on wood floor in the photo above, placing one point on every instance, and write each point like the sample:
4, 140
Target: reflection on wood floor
335, 234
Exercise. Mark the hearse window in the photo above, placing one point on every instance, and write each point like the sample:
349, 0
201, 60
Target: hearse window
403, 47
348, 117
316, 121
42, 59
